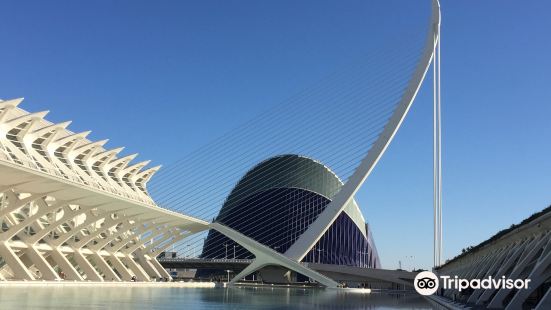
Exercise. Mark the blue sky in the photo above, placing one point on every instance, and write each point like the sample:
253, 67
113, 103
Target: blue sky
161, 78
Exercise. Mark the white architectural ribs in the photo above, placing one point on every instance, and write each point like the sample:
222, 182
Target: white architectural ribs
522, 253
71, 209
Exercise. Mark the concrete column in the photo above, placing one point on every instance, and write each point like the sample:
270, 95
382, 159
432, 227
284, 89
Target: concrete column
517, 251
254, 266
65, 265
102, 265
141, 275
162, 271
497, 262
148, 267
121, 268
48, 273
539, 274
91, 272
19, 269
528, 255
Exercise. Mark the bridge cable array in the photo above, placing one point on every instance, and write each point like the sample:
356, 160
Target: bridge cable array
335, 122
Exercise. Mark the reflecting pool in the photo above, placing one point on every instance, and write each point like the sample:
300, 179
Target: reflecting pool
200, 298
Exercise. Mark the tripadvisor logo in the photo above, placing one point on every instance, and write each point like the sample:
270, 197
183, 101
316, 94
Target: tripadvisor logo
426, 283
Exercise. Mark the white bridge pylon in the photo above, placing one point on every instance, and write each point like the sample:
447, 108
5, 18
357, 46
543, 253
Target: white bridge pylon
301, 247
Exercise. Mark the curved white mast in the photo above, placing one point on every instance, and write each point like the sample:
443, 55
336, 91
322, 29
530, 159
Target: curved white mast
267, 256
314, 232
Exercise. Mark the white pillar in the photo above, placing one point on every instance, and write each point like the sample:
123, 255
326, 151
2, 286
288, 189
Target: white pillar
48, 273
141, 275
65, 265
19, 269
102, 265
121, 268
91, 272
162, 271
148, 267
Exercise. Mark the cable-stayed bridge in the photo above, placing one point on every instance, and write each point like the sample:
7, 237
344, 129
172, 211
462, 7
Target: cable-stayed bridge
278, 190
318, 147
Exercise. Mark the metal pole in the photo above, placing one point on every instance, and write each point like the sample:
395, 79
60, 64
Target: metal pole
439, 156
226, 245
434, 163
437, 150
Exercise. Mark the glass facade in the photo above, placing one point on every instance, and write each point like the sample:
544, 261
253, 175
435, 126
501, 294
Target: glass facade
278, 213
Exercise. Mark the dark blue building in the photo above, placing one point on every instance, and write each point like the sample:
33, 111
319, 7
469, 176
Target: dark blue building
277, 200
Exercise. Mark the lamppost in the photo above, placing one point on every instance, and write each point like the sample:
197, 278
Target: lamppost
188, 251
226, 245
319, 255
234, 251
228, 271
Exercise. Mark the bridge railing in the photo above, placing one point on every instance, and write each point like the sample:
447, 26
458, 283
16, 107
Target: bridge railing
203, 260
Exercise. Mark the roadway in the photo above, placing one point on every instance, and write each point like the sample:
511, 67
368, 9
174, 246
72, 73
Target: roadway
338, 273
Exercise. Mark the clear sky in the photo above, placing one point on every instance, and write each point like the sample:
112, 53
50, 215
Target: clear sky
163, 77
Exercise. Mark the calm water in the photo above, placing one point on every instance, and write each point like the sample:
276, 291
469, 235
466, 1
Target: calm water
198, 298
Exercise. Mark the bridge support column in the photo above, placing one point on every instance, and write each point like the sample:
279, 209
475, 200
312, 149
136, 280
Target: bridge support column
265, 256
254, 266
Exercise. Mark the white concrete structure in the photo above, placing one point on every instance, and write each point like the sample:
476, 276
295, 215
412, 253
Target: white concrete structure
346, 195
69, 205
70, 208
522, 253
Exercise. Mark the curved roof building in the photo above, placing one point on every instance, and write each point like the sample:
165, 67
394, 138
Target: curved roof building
71, 209
277, 200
